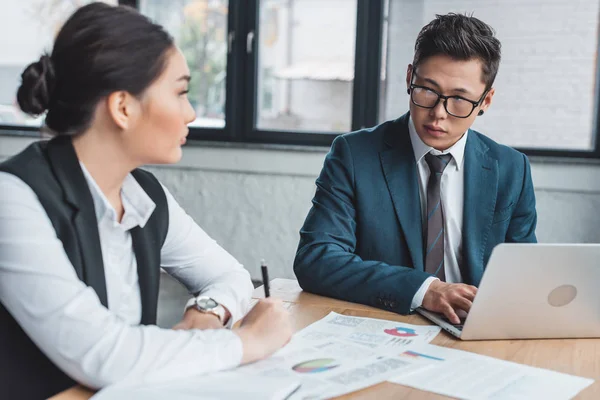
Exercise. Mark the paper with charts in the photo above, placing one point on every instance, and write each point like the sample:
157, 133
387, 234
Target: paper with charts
336, 355
340, 354
467, 376
369, 332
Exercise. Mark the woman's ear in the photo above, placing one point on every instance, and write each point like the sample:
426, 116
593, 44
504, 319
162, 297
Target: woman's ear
122, 108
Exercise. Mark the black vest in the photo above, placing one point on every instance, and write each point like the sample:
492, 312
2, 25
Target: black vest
52, 170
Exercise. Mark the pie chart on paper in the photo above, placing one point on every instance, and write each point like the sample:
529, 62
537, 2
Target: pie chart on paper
315, 366
401, 332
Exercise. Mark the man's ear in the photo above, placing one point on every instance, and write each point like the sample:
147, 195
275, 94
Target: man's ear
487, 101
409, 70
122, 108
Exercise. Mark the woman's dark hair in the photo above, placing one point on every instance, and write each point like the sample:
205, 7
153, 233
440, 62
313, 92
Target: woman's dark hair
460, 37
100, 49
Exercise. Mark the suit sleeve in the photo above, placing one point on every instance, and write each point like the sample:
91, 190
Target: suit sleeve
325, 262
524, 219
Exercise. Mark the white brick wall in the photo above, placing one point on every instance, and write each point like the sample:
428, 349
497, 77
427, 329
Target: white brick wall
545, 85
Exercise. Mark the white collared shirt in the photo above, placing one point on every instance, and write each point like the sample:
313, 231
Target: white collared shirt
452, 198
64, 317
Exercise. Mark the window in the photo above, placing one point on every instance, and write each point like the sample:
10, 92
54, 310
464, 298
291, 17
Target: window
303, 71
545, 85
199, 28
306, 65
266, 106
27, 29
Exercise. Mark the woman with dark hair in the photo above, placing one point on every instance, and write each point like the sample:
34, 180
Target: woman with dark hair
84, 231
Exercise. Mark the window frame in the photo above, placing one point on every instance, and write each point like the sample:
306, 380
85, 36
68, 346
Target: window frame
241, 86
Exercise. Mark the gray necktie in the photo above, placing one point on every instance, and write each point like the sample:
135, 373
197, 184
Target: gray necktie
434, 230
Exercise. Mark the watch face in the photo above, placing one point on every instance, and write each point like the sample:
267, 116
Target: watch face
206, 303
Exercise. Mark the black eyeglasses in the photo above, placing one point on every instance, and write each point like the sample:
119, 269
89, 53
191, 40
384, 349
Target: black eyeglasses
456, 106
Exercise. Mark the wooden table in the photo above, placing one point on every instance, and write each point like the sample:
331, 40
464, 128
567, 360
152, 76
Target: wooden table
572, 356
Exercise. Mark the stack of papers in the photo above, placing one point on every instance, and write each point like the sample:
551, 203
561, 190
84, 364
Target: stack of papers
340, 354
336, 355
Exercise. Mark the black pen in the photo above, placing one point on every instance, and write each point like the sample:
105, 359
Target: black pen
265, 277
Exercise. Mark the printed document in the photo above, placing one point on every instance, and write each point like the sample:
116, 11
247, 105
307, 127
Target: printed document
340, 354
466, 375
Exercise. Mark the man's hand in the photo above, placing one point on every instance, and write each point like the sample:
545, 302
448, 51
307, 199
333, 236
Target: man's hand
194, 319
448, 298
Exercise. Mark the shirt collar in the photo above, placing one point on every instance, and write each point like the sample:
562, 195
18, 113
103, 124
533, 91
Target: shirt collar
421, 149
138, 206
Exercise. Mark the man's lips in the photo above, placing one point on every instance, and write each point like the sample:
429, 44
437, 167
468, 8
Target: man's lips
434, 130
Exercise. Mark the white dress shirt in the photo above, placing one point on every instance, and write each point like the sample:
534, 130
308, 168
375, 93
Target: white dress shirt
64, 317
451, 196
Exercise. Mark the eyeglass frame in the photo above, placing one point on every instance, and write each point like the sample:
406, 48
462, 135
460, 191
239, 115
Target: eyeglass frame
475, 104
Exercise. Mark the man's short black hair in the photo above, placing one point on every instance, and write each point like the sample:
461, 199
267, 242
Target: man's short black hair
461, 37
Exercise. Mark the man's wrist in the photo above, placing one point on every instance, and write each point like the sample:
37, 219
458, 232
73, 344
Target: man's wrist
419, 296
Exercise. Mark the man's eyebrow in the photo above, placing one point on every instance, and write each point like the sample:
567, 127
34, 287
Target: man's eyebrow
437, 85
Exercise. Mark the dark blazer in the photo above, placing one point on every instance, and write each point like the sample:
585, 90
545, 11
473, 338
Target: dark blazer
362, 240
52, 170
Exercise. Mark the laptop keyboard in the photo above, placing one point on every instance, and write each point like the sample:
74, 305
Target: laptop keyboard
457, 326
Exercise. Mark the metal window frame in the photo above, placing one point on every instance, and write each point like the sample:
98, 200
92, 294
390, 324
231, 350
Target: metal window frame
241, 86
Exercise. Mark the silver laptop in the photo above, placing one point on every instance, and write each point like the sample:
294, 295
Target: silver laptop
534, 291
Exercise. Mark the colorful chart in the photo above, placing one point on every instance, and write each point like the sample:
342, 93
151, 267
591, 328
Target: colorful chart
402, 332
414, 354
315, 366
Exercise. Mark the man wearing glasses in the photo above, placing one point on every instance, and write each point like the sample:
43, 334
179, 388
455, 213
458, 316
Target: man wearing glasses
406, 214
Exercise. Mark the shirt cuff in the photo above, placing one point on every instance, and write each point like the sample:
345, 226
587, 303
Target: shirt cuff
417, 300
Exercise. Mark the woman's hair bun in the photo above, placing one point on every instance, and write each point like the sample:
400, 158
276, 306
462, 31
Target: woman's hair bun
37, 84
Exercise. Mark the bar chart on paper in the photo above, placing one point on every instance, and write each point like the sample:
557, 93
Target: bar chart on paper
416, 355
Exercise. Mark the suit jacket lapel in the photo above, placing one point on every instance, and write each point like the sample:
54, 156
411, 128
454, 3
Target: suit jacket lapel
400, 171
480, 192
67, 170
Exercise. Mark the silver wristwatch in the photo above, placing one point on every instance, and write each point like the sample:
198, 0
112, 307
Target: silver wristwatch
207, 305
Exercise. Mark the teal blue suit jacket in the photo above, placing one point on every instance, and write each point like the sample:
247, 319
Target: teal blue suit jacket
362, 240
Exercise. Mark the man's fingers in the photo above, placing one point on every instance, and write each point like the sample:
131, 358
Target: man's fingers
466, 291
468, 296
472, 289
462, 304
450, 314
